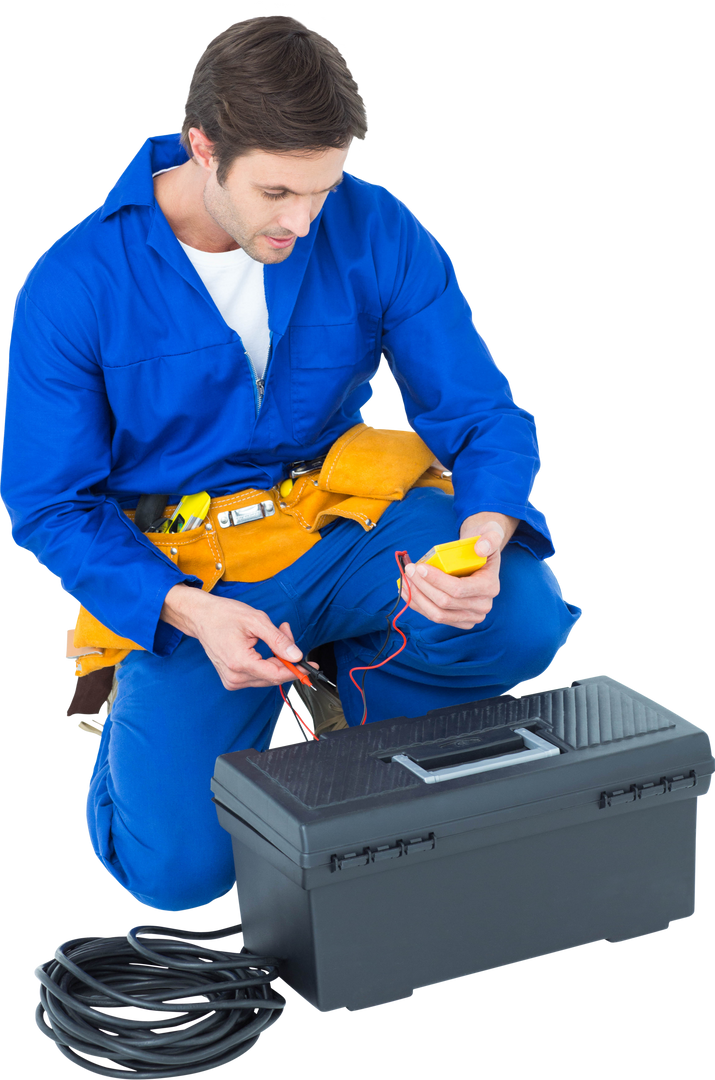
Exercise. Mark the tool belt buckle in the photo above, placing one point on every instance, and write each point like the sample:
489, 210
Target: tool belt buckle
300, 468
253, 512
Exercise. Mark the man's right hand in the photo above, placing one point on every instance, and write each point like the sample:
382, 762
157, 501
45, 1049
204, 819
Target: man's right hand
229, 631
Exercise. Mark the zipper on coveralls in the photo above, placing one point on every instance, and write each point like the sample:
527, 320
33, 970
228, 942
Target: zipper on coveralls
259, 385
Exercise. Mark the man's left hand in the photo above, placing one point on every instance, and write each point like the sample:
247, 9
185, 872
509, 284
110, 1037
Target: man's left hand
463, 602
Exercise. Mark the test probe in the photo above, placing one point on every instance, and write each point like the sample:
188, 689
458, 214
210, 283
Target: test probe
458, 558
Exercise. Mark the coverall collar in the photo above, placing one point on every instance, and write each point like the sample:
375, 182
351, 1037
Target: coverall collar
135, 187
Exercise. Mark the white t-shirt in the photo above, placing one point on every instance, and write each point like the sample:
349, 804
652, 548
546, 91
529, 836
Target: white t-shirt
234, 282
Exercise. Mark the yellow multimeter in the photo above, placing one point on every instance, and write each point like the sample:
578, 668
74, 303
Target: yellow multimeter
457, 558
189, 514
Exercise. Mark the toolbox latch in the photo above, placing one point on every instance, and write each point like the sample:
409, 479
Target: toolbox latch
347, 862
412, 846
648, 790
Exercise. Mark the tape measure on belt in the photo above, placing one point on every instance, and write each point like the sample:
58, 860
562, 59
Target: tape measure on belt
267, 508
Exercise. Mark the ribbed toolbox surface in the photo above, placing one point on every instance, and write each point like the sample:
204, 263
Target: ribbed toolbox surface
369, 880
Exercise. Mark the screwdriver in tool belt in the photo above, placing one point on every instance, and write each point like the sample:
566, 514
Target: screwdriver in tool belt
189, 514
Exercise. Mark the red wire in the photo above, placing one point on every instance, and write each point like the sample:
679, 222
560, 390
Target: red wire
298, 714
371, 666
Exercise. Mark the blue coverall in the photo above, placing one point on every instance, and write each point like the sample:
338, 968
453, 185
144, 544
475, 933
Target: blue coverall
125, 379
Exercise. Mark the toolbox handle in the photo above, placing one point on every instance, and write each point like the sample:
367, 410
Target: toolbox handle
537, 748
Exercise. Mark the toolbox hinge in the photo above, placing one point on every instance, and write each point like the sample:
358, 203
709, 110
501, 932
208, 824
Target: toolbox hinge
632, 792
400, 848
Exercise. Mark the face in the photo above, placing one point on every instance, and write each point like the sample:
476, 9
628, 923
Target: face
268, 200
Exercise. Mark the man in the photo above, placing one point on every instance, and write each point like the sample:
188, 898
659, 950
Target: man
214, 325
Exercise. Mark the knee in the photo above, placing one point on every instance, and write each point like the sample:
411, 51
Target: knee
175, 877
180, 895
533, 644
533, 619
185, 881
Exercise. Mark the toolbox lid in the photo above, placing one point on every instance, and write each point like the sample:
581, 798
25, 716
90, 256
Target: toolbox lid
462, 768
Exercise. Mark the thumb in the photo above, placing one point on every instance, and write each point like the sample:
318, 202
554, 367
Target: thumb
490, 539
285, 643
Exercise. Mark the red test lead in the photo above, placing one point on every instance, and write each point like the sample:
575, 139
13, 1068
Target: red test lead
402, 557
304, 674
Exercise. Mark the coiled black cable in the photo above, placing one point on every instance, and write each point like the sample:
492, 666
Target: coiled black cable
91, 974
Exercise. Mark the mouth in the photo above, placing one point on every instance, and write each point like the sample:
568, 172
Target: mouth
280, 243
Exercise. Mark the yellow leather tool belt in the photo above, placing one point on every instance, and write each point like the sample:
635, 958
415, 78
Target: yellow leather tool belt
252, 535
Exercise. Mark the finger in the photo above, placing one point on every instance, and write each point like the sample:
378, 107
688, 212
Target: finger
241, 680
420, 573
282, 673
281, 640
439, 586
310, 663
454, 611
422, 590
245, 684
285, 629
483, 582
463, 620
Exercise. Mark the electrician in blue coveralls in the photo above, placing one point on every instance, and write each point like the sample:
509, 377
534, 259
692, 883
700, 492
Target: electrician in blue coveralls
266, 202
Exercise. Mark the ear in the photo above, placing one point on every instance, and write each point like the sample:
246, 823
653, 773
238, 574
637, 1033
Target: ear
201, 148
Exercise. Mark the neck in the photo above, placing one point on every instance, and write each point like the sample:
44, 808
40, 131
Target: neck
180, 194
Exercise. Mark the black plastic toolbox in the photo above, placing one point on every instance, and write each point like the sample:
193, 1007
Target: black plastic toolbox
386, 857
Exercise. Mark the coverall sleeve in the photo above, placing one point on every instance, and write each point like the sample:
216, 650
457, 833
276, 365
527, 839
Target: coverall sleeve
455, 397
57, 448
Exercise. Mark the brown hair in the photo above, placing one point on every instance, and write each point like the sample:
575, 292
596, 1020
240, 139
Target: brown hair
271, 84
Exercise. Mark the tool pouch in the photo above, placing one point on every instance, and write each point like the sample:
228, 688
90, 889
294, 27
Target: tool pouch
365, 470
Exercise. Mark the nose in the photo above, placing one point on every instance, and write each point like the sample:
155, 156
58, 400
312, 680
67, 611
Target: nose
297, 218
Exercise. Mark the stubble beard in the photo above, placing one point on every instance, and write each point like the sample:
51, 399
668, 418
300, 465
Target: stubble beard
222, 211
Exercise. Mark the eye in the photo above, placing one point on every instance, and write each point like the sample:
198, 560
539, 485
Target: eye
283, 194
